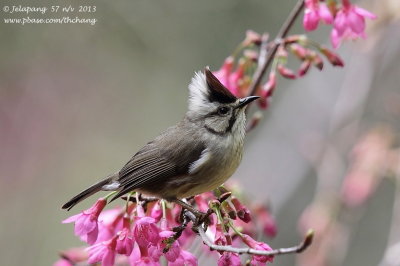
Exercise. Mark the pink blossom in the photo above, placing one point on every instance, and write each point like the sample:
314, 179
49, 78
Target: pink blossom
267, 220
185, 258
229, 259
86, 222
74, 255
259, 246
146, 231
232, 80
314, 12
174, 249
219, 235
103, 251
156, 211
63, 262
141, 256
202, 201
223, 74
125, 239
349, 23
110, 222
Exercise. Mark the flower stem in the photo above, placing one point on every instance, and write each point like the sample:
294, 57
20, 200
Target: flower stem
262, 68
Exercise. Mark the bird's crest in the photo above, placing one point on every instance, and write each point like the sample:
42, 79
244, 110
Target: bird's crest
205, 89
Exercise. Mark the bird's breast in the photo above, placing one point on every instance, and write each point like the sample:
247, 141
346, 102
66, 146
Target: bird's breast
212, 169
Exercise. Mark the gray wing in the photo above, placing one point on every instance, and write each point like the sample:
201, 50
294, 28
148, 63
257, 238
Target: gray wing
164, 158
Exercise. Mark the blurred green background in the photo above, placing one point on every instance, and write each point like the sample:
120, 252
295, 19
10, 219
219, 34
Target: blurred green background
76, 101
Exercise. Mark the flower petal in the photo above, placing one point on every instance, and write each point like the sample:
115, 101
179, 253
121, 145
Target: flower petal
356, 22
325, 14
365, 13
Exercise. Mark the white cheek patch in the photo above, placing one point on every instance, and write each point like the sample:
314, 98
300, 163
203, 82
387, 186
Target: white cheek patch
198, 164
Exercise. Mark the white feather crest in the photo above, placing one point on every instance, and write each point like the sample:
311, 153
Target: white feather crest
198, 94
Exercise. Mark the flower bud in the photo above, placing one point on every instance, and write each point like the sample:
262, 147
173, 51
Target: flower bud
286, 72
333, 58
304, 67
242, 212
317, 61
299, 51
252, 37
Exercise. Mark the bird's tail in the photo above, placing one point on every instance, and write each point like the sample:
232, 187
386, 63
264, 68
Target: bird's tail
87, 192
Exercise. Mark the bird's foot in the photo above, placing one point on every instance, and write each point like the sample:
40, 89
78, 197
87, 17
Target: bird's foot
201, 217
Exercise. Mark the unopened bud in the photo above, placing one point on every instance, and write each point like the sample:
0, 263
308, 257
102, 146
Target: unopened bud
242, 212
214, 204
286, 72
282, 54
229, 210
251, 54
304, 67
299, 51
252, 37
332, 57
318, 63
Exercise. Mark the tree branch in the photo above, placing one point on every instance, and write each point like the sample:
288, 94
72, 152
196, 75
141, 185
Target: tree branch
267, 53
280, 251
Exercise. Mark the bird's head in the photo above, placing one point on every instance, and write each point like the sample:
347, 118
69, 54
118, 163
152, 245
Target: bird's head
212, 105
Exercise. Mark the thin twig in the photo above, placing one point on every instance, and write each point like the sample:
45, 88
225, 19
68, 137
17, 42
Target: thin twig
266, 57
280, 251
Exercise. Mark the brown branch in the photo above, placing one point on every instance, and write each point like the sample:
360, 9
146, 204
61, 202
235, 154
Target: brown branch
266, 57
280, 251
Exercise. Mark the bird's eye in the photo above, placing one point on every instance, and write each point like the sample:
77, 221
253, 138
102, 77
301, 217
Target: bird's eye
223, 110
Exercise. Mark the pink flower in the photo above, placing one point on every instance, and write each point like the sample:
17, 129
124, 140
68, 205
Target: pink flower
233, 80
156, 211
63, 262
173, 252
349, 23
74, 255
220, 238
185, 258
146, 231
140, 256
229, 259
125, 239
223, 74
267, 220
86, 222
259, 246
314, 12
103, 251
110, 222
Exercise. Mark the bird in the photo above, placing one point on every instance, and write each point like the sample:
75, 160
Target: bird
196, 155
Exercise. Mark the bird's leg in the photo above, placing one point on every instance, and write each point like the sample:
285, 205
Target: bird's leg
201, 217
188, 207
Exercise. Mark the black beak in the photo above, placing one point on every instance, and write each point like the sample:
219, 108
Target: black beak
245, 101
